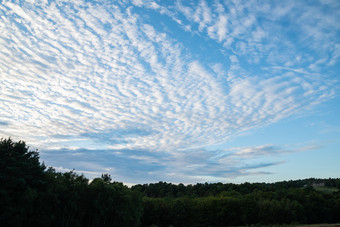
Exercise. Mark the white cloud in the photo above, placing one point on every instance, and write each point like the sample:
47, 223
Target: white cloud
103, 75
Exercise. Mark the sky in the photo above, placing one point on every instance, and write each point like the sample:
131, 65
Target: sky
176, 91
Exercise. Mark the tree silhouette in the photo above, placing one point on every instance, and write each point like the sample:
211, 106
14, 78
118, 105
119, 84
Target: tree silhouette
21, 180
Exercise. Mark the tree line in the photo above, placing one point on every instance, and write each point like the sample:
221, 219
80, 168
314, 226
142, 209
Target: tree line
33, 195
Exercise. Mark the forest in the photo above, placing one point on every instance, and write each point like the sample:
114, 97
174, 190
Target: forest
32, 194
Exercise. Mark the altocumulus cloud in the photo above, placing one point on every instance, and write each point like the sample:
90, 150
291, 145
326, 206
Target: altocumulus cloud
91, 83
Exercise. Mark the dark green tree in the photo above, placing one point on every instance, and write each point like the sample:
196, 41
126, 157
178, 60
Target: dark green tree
112, 204
21, 180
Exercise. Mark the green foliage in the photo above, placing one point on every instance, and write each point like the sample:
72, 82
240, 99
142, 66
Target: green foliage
21, 181
31, 195
218, 204
114, 203
326, 189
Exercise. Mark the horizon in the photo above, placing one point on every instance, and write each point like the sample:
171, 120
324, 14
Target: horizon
182, 92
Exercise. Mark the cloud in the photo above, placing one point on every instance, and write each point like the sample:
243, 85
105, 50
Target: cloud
124, 165
107, 76
4, 123
138, 166
116, 136
284, 30
268, 150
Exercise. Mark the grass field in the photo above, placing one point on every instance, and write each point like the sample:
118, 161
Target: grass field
302, 225
296, 225
325, 189
320, 225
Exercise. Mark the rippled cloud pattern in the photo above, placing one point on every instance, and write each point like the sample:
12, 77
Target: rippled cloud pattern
153, 83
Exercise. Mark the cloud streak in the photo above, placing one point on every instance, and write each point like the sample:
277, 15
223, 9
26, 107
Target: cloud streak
103, 76
188, 166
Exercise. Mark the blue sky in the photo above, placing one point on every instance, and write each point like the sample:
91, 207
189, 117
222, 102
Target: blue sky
176, 91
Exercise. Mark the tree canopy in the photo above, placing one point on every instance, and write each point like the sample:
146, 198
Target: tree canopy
33, 195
